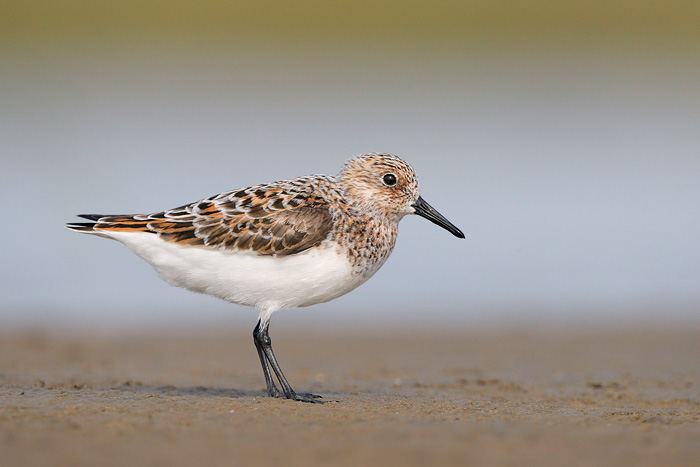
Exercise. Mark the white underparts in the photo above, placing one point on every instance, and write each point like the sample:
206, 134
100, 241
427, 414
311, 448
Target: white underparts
268, 283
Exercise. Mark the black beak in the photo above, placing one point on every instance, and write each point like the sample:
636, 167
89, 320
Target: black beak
423, 209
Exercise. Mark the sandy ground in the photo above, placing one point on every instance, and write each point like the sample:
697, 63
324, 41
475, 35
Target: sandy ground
496, 397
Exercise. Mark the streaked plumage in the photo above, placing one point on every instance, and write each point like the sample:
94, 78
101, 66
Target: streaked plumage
281, 218
279, 245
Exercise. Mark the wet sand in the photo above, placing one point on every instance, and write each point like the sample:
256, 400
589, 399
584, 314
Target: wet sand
497, 397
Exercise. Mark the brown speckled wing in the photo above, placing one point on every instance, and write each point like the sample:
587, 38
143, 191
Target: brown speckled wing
280, 218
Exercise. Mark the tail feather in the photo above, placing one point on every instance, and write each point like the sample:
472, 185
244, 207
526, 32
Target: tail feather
86, 226
110, 223
81, 226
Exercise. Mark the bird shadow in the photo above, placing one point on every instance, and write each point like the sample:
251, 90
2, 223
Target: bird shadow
186, 391
202, 391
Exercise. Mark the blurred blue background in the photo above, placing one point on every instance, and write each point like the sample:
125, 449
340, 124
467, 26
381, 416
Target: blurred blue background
562, 137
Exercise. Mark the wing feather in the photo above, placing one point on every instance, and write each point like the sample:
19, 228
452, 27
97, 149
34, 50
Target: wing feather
265, 219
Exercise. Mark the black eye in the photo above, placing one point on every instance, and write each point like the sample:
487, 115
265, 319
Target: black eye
389, 179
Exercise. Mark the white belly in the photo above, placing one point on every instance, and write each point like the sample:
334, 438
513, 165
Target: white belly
265, 282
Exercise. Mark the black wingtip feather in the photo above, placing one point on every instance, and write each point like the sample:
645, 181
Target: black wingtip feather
81, 226
92, 217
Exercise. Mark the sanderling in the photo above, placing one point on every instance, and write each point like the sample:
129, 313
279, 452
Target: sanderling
280, 245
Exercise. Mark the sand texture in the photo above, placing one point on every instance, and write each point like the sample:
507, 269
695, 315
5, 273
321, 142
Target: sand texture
490, 397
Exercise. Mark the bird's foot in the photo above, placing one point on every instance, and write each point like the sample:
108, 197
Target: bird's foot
296, 396
307, 397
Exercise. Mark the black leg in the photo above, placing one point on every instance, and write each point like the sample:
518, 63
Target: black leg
263, 345
272, 390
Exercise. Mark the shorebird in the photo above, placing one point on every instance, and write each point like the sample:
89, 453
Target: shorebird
285, 244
